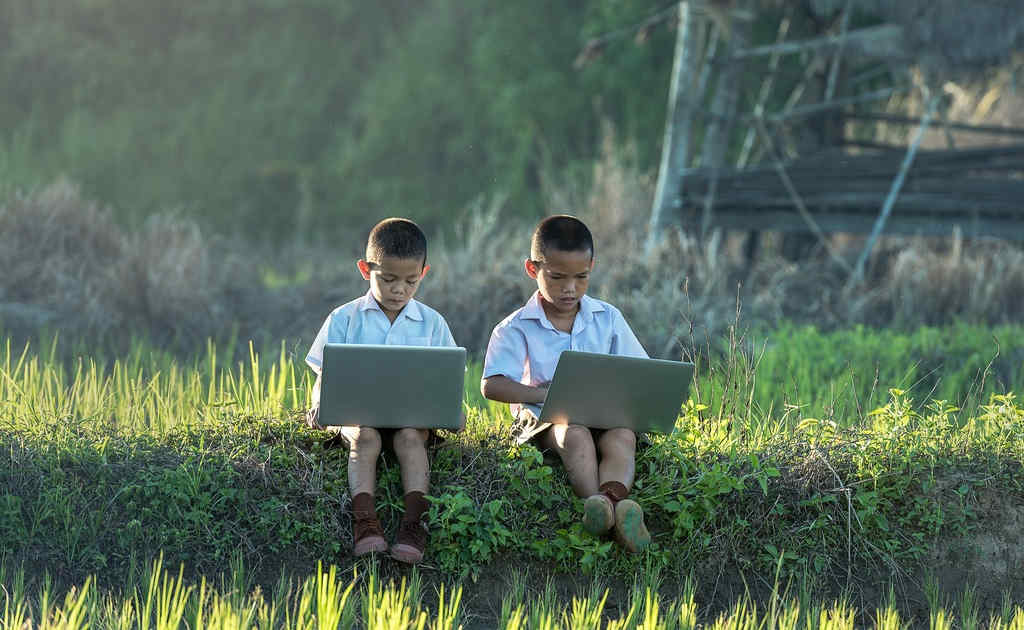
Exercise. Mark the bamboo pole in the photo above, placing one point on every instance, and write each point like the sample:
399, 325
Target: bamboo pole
797, 199
723, 110
884, 41
890, 200
675, 150
984, 129
763, 93
833, 73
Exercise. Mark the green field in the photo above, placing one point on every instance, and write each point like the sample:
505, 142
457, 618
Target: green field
763, 509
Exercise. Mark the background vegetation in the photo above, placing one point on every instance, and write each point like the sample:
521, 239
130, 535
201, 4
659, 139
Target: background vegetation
312, 117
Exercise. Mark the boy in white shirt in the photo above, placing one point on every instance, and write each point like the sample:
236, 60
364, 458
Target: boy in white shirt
521, 358
395, 263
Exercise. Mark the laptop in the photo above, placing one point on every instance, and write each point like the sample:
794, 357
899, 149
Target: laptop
605, 391
392, 386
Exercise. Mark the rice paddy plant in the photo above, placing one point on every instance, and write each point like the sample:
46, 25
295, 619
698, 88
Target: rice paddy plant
322, 600
146, 391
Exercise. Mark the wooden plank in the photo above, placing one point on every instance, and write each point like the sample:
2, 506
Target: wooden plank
861, 223
903, 120
884, 41
910, 203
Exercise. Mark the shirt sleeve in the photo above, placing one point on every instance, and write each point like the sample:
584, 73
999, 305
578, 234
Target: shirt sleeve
624, 342
329, 333
506, 353
442, 335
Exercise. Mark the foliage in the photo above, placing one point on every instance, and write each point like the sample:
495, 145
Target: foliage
281, 118
800, 371
209, 463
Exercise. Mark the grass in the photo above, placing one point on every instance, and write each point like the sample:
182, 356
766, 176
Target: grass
164, 600
108, 462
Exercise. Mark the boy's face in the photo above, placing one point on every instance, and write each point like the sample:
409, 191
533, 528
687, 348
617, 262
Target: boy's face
393, 281
562, 278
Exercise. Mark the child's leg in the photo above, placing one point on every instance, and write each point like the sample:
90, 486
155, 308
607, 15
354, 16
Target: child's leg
618, 457
411, 449
364, 445
575, 446
617, 469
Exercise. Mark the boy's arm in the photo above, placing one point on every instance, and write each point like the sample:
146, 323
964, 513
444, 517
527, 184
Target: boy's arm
331, 331
504, 389
504, 364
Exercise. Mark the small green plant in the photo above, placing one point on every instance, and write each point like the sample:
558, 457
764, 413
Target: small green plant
464, 536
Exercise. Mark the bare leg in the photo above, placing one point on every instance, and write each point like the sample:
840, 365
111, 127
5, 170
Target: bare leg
575, 446
411, 449
618, 456
363, 451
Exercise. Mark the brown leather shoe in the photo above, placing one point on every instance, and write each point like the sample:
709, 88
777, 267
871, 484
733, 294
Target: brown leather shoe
410, 542
368, 536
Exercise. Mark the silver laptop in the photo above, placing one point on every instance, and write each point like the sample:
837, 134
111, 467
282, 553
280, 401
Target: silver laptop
604, 391
392, 386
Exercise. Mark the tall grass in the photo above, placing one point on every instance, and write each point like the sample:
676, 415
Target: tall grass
147, 390
325, 600
780, 377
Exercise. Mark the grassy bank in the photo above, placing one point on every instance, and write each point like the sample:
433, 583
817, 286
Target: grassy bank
108, 463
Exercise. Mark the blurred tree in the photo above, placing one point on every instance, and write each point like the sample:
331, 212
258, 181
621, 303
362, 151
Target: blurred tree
254, 114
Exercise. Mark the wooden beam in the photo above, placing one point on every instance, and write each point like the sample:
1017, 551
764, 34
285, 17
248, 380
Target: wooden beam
897, 184
904, 120
884, 41
797, 201
861, 223
675, 149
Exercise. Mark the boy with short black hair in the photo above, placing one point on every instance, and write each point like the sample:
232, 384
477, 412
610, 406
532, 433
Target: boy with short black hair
395, 263
521, 358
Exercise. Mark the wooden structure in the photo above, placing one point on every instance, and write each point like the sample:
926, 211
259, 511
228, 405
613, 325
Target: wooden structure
979, 190
836, 183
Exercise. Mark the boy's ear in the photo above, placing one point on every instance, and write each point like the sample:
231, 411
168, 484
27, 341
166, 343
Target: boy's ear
531, 268
423, 273
364, 268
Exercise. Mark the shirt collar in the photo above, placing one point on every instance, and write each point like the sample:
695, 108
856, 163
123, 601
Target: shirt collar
411, 311
534, 310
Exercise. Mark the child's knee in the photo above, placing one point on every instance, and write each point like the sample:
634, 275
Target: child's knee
410, 439
576, 436
363, 439
620, 440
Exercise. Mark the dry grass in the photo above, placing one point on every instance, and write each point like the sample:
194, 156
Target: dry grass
68, 265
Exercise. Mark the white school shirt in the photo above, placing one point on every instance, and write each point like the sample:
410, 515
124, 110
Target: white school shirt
363, 321
525, 346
